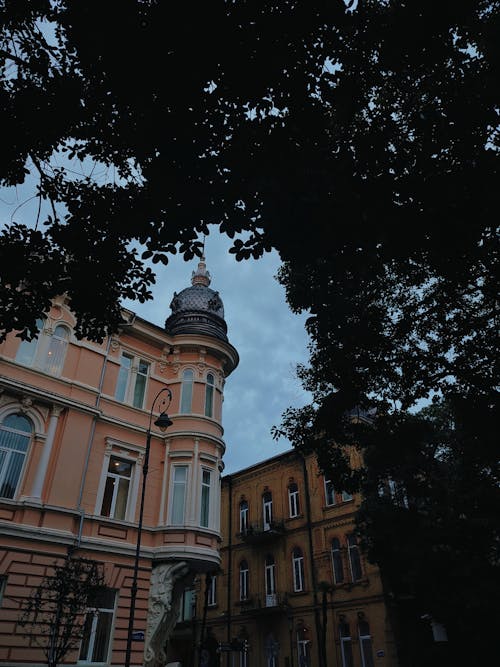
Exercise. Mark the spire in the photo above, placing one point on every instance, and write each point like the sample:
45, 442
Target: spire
201, 276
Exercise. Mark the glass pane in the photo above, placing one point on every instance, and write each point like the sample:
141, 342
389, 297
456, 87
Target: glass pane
108, 496
209, 400
120, 467
180, 473
121, 499
102, 636
121, 386
347, 659
205, 502
27, 349
139, 390
329, 492
87, 629
18, 422
177, 514
56, 354
10, 474
187, 391
366, 651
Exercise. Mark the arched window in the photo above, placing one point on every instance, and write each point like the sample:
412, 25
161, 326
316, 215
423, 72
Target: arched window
267, 509
329, 492
270, 572
187, 391
298, 569
338, 568
293, 500
303, 646
15, 436
365, 643
56, 352
345, 644
354, 557
26, 352
243, 516
209, 395
243, 580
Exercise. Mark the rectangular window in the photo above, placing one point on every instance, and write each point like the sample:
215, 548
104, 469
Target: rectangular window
178, 495
205, 498
116, 490
97, 628
243, 516
329, 492
132, 380
212, 592
298, 572
188, 605
346, 646
293, 500
354, 557
243, 581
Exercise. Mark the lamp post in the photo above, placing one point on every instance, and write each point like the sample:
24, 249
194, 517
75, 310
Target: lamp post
163, 422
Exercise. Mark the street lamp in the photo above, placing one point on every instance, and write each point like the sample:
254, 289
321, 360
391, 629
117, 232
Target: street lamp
163, 422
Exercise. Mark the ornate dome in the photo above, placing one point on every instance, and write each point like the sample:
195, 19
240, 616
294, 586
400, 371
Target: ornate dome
197, 309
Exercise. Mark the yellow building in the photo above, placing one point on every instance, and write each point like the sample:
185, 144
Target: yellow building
294, 584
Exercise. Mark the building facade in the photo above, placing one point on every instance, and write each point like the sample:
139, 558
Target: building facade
294, 587
74, 420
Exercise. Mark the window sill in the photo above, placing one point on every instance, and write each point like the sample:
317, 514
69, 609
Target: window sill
293, 518
293, 594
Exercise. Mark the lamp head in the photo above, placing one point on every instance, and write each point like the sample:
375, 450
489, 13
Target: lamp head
163, 422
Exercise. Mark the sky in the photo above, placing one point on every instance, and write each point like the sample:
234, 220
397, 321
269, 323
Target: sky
270, 339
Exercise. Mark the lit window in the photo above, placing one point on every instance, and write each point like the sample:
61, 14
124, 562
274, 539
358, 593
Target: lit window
365, 644
338, 569
267, 509
298, 570
45, 352
187, 391
116, 490
345, 644
15, 436
97, 629
329, 492
178, 495
212, 591
293, 500
243, 516
132, 380
205, 498
243, 580
209, 395
354, 557
56, 353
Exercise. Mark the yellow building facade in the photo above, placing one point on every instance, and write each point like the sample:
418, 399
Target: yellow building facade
294, 587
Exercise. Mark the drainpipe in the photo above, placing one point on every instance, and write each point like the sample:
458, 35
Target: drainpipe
229, 564
321, 657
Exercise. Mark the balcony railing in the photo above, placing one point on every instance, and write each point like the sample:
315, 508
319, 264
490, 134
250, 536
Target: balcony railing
262, 533
266, 604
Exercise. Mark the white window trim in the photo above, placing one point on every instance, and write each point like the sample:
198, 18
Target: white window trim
210, 471
41, 348
213, 385
298, 567
267, 504
111, 634
193, 384
244, 528
212, 592
32, 436
244, 577
127, 453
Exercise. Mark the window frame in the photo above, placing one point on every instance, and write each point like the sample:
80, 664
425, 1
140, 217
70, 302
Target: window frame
127, 382
293, 500
205, 493
329, 493
298, 572
212, 592
366, 653
346, 645
270, 575
173, 494
209, 395
267, 510
37, 352
354, 557
244, 576
186, 393
244, 514
337, 561
108, 474
11, 452
96, 612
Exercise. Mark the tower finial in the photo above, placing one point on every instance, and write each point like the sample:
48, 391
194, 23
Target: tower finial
201, 276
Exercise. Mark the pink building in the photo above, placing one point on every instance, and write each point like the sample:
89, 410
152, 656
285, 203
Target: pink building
73, 422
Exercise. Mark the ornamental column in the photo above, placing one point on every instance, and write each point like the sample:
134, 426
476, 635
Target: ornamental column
36, 491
